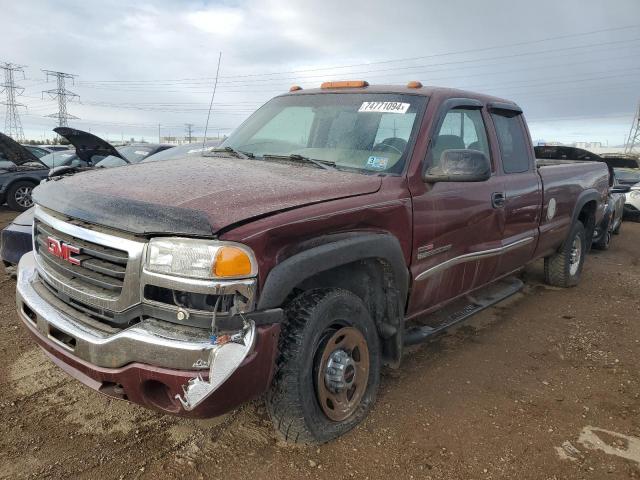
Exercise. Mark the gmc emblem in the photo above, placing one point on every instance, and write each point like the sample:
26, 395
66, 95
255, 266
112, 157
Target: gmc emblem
62, 250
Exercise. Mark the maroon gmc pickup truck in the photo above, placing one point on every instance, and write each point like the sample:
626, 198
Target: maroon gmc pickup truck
334, 227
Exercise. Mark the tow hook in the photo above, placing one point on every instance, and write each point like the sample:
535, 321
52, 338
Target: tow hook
225, 357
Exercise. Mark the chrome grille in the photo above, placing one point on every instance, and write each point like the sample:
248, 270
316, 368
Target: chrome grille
101, 267
107, 278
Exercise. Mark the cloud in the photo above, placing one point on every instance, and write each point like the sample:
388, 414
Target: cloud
132, 58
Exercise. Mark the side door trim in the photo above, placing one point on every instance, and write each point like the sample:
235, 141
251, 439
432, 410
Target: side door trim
469, 257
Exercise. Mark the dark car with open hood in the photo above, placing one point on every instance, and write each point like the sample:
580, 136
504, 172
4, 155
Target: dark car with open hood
89, 151
332, 228
20, 171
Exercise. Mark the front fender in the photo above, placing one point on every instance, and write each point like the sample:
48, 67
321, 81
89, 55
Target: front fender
285, 276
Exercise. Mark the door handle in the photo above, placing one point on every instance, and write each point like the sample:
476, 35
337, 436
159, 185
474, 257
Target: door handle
498, 199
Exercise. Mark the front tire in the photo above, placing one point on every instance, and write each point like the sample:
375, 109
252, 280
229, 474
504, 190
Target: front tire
328, 370
563, 268
19, 196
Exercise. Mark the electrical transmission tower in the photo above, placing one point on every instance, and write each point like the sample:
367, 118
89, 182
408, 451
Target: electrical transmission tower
633, 141
12, 124
62, 95
189, 129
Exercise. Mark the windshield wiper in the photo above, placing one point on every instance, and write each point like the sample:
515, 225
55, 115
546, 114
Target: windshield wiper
232, 151
326, 164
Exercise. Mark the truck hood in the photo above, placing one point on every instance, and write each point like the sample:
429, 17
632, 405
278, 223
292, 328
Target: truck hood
195, 196
86, 144
16, 153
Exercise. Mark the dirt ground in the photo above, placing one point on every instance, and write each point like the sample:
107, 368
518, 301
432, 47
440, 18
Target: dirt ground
543, 386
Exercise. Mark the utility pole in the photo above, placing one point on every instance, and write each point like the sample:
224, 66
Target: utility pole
633, 140
159, 134
12, 124
62, 95
189, 128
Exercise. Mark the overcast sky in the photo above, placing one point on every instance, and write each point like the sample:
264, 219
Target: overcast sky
573, 65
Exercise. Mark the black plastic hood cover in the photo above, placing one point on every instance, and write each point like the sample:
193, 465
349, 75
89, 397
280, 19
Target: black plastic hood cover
16, 153
86, 144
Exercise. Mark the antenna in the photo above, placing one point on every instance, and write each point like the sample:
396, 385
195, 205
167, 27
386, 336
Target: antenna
12, 124
215, 85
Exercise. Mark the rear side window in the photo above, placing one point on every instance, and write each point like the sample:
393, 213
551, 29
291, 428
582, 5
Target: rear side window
514, 147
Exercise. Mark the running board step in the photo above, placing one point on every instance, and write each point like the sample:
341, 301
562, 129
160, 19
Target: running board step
462, 309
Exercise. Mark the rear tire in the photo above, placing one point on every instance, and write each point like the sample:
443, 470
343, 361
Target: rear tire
329, 367
19, 196
604, 242
563, 268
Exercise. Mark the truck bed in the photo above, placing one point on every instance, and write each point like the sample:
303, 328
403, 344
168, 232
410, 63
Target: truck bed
564, 183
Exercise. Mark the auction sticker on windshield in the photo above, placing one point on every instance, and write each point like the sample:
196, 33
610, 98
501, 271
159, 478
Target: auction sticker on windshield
384, 107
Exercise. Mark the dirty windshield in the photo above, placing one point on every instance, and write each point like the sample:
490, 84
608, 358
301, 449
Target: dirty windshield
366, 132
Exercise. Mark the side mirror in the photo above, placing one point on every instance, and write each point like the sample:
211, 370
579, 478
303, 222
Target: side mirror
620, 189
460, 166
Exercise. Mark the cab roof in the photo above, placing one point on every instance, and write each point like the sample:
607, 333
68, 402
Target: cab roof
426, 91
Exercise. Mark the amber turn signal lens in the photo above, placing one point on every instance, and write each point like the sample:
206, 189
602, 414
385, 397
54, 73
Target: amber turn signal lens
232, 262
346, 84
414, 84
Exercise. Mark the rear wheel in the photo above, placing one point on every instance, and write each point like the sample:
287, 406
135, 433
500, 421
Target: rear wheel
563, 268
329, 367
19, 196
603, 243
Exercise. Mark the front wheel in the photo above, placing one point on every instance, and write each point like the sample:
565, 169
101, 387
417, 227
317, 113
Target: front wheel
563, 268
19, 196
329, 367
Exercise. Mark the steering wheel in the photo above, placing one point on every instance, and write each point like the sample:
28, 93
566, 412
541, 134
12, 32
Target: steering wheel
387, 143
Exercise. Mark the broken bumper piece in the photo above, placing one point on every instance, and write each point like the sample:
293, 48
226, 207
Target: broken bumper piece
224, 359
173, 370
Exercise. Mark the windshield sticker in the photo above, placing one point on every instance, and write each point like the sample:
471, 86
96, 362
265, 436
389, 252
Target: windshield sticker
140, 152
384, 107
377, 163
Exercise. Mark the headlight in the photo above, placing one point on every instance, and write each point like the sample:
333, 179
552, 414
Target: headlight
204, 259
634, 193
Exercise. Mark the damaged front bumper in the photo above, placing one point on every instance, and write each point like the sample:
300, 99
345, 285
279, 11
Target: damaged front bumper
164, 366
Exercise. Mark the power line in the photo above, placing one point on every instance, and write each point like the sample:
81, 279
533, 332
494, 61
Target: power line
12, 124
398, 60
61, 94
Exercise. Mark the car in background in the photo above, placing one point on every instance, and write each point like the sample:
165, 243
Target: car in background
614, 208
182, 151
37, 151
20, 172
55, 148
632, 204
90, 152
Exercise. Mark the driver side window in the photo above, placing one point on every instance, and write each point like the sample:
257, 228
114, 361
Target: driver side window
461, 129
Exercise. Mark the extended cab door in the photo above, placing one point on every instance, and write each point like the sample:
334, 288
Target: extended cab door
455, 223
521, 194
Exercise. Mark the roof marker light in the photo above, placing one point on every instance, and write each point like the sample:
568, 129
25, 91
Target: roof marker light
295, 88
414, 84
346, 84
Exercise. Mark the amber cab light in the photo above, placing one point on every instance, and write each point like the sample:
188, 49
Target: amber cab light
414, 84
295, 88
346, 84
232, 262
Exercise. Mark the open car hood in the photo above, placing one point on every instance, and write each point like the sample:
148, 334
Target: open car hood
86, 144
195, 196
16, 153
